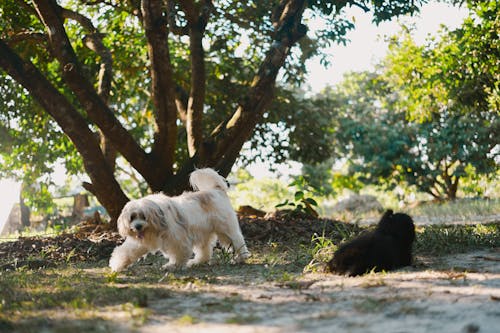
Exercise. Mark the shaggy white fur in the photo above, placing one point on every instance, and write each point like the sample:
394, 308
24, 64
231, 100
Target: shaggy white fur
179, 226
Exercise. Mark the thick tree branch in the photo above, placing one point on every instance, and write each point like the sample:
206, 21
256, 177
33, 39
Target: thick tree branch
96, 108
434, 195
106, 188
163, 88
94, 42
230, 137
197, 17
26, 36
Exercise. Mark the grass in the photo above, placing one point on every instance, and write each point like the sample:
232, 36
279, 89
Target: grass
466, 209
31, 233
440, 240
85, 296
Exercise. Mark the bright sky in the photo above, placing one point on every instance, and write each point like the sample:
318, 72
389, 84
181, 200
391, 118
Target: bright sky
367, 44
366, 47
9, 194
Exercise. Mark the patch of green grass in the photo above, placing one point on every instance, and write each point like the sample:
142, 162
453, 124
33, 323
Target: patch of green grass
187, 320
322, 251
446, 239
47, 232
458, 210
66, 288
223, 256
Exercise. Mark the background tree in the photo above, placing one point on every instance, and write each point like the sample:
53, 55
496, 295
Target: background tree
167, 85
428, 118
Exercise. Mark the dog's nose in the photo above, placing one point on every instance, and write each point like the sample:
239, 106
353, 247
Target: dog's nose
138, 227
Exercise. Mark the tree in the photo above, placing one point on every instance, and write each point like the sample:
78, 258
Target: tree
385, 148
428, 117
458, 72
167, 85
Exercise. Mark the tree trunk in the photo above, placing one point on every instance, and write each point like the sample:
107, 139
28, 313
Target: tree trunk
451, 192
80, 201
104, 185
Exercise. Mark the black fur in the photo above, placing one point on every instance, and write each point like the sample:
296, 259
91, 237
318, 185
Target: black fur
387, 247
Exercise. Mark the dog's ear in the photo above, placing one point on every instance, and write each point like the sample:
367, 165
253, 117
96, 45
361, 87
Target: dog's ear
154, 215
385, 223
387, 215
123, 222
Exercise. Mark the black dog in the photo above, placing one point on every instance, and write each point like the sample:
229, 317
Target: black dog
385, 248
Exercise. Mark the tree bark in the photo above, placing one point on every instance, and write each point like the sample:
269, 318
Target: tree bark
94, 42
96, 108
230, 137
219, 150
197, 17
163, 90
25, 212
452, 190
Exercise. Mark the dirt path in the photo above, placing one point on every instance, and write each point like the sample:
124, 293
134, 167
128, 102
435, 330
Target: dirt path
63, 284
458, 293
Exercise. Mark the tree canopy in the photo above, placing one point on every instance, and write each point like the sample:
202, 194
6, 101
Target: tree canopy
168, 85
427, 117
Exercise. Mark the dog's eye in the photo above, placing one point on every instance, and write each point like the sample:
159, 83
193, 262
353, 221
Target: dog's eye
133, 216
142, 216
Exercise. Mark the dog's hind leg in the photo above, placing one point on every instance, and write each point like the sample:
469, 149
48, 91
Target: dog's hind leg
202, 254
178, 256
235, 238
224, 241
126, 254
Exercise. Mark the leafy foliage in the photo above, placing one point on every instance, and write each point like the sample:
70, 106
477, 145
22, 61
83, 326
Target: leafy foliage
301, 203
427, 118
218, 61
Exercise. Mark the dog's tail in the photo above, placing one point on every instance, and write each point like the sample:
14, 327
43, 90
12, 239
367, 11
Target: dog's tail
207, 179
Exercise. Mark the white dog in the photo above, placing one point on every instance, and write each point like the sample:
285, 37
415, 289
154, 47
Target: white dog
179, 226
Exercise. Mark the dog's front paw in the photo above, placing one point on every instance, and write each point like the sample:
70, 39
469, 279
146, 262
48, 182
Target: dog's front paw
117, 264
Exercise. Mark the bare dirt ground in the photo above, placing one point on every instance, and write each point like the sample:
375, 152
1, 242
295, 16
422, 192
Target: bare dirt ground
62, 284
457, 293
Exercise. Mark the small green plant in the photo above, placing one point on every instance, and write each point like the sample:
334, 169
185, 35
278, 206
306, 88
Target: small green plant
322, 251
321, 243
187, 320
112, 277
301, 203
223, 256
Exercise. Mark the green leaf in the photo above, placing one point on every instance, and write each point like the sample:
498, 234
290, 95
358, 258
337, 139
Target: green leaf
311, 201
299, 195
